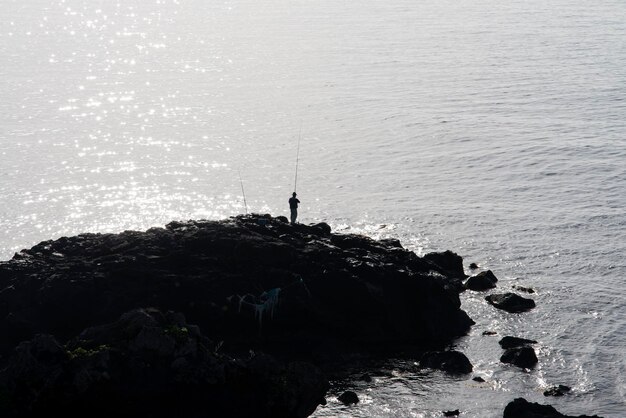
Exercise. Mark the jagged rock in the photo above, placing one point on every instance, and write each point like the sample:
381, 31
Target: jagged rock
249, 282
323, 227
348, 398
392, 242
510, 302
523, 357
489, 333
151, 364
448, 361
451, 413
512, 342
482, 281
246, 280
451, 264
473, 266
559, 390
448, 270
478, 379
521, 408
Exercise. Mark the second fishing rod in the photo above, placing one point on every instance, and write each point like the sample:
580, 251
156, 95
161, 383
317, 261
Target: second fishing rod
295, 181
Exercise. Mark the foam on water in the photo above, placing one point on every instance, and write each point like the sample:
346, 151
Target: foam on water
492, 129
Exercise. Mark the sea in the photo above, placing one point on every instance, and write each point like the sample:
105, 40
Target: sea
494, 129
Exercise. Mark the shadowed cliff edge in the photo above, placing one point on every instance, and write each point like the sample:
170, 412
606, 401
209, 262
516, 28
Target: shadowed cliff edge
237, 317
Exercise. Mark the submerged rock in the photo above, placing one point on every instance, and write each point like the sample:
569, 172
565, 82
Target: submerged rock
524, 289
559, 390
521, 408
510, 302
523, 357
448, 361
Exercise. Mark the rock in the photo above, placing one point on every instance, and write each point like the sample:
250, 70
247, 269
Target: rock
451, 264
482, 281
250, 282
524, 357
473, 266
521, 408
478, 379
348, 398
490, 333
366, 378
333, 287
510, 302
392, 242
559, 390
451, 413
127, 366
323, 227
524, 289
512, 342
454, 285
448, 361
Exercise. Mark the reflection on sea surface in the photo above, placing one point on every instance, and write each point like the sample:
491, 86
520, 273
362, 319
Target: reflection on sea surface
492, 129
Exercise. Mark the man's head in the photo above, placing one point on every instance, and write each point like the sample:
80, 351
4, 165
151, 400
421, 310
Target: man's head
294, 194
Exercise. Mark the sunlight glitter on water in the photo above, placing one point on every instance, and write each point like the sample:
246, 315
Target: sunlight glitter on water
494, 130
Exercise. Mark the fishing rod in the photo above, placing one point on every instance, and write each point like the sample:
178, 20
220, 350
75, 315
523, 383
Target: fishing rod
243, 192
295, 182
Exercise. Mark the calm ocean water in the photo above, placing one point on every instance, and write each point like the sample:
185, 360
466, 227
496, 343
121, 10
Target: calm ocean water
494, 129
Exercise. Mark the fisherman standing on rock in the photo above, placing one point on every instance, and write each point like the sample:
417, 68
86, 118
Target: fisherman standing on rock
293, 205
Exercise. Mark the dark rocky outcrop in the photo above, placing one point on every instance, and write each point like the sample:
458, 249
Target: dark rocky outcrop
448, 361
559, 390
521, 408
254, 282
512, 342
348, 398
449, 263
478, 379
451, 413
510, 302
523, 357
152, 364
225, 276
484, 280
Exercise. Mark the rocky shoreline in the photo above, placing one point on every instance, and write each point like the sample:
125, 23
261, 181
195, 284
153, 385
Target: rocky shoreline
239, 317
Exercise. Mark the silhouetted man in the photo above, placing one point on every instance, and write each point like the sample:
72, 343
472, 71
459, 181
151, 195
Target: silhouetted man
293, 205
